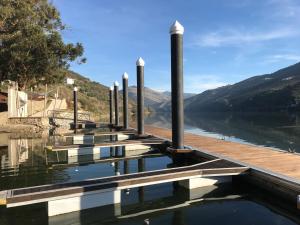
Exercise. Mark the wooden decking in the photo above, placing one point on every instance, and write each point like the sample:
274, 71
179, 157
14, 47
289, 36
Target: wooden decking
283, 164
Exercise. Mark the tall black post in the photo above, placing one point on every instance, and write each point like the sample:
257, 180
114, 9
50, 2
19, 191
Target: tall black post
75, 110
125, 100
116, 95
111, 105
140, 95
176, 32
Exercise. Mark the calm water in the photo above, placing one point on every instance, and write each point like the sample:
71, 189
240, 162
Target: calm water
25, 162
275, 130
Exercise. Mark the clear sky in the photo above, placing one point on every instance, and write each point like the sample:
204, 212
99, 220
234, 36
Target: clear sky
225, 41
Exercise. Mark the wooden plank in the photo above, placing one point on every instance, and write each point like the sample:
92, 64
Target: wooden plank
267, 159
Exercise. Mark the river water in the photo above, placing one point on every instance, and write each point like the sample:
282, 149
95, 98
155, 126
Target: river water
25, 162
274, 130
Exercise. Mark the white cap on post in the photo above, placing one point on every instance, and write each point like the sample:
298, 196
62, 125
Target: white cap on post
176, 28
75, 88
125, 76
116, 83
111, 88
140, 62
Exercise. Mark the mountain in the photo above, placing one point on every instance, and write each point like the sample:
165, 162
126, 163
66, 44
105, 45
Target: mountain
151, 97
156, 100
270, 92
185, 95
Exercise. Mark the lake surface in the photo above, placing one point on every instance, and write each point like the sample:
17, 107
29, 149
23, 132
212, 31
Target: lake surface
275, 130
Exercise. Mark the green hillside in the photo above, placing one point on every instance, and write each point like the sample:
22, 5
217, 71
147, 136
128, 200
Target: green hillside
92, 96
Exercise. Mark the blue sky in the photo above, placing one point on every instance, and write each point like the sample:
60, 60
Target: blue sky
225, 41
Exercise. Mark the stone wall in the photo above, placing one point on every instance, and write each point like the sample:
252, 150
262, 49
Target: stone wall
42, 122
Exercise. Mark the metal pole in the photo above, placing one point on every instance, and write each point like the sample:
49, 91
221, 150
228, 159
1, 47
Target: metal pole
176, 32
116, 95
45, 100
111, 104
125, 100
140, 95
75, 109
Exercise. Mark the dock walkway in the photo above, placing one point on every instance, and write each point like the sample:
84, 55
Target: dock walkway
277, 163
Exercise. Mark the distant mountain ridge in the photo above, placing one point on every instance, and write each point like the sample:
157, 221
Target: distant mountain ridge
270, 92
154, 99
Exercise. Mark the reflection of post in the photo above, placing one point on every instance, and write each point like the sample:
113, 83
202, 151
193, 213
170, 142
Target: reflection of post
116, 151
117, 172
126, 166
178, 218
111, 151
123, 151
141, 165
141, 190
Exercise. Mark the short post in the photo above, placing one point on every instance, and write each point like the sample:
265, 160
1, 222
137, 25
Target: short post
125, 100
140, 95
111, 104
75, 109
116, 95
176, 32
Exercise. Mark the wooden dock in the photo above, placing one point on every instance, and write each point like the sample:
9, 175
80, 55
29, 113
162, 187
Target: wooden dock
280, 164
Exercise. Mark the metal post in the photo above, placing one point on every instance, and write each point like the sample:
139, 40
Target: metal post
111, 104
45, 100
116, 95
125, 100
75, 109
176, 32
140, 95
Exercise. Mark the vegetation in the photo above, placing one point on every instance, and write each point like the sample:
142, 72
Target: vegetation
32, 50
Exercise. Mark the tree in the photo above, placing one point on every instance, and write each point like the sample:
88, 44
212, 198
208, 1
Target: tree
31, 47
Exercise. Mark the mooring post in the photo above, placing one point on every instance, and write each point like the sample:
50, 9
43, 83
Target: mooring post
140, 95
111, 105
125, 100
176, 32
116, 95
75, 109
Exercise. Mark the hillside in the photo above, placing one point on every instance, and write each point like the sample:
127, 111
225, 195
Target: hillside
92, 96
271, 92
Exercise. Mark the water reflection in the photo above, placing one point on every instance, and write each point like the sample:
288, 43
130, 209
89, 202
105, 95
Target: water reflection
277, 130
26, 162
